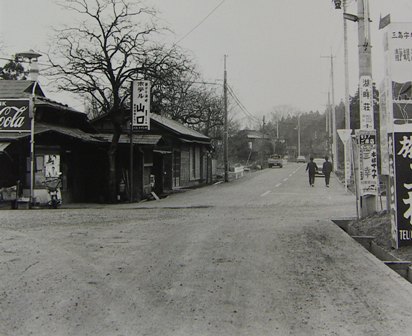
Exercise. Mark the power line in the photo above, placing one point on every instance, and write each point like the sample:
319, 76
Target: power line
242, 107
203, 20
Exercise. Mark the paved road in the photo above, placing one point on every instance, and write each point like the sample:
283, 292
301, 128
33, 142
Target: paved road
258, 256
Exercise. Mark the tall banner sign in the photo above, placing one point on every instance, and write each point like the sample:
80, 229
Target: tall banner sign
398, 111
366, 102
401, 188
398, 52
141, 104
14, 115
397, 114
368, 162
345, 136
384, 96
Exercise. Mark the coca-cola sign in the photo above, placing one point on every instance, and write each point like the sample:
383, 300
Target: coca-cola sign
14, 115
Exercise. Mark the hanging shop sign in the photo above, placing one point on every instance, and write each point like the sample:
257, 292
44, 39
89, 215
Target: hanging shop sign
141, 104
14, 115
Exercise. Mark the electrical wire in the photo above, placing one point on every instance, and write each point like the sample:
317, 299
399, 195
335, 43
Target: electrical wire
241, 106
203, 20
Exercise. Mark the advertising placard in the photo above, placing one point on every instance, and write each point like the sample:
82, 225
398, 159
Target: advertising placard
397, 106
383, 129
401, 187
368, 162
14, 115
51, 165
141, 104
398, 50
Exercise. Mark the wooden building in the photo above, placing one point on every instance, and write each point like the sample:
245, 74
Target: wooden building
167, 157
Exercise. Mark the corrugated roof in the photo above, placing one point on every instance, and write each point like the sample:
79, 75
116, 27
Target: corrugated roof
44, 128
177, 127
18, 89
40, 128
43, 101
138, 139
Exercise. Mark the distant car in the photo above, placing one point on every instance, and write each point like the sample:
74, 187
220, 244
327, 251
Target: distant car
319, 162
275, 160
300, 159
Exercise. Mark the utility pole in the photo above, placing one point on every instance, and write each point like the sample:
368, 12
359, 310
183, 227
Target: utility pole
334, 144
333, 117
367, 199
298, 134
225, 132
345, 45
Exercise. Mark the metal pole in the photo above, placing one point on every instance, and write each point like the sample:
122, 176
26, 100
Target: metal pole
131, 148
32, 154
225, 133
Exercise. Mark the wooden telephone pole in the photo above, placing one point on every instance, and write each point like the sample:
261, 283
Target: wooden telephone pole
225, 132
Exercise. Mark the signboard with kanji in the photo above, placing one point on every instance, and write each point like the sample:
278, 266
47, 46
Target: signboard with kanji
14, 115
366, 102
141, 104
401, 187
396, 122
368, 162
384, 120
398, 54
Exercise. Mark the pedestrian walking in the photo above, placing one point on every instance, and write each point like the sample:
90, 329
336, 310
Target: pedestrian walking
327, 169
311, 168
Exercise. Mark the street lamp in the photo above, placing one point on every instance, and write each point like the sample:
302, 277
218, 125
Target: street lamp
32, 57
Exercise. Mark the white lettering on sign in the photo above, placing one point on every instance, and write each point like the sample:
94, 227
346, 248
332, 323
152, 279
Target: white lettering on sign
12, 117
405, 235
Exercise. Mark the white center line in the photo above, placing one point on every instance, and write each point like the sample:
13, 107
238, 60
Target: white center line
285, 179
278, 185
265, 193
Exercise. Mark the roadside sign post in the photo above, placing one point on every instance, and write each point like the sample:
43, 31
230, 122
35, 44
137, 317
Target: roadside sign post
345, 136
396, 129
139, 118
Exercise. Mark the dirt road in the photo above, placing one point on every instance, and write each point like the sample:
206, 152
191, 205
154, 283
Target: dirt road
258, 256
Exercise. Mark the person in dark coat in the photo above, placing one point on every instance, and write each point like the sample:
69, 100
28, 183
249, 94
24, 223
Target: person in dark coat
327, 169
311, 168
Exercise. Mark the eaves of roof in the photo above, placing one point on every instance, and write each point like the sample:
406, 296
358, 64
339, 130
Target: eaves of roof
138, 139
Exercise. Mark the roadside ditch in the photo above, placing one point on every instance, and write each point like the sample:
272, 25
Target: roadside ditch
373, 233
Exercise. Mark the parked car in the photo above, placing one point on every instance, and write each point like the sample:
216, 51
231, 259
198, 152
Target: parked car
275, 160
319, 162
300, 159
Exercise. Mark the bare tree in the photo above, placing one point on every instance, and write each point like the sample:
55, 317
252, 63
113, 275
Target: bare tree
102, 54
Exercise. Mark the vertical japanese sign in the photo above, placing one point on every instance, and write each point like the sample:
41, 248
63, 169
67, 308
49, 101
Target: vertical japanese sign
398, 55
141, 104
345, 136
401, 188
366, 102
368, 162
383, 129
397, 105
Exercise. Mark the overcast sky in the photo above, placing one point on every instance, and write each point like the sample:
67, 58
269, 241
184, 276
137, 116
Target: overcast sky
274, 47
